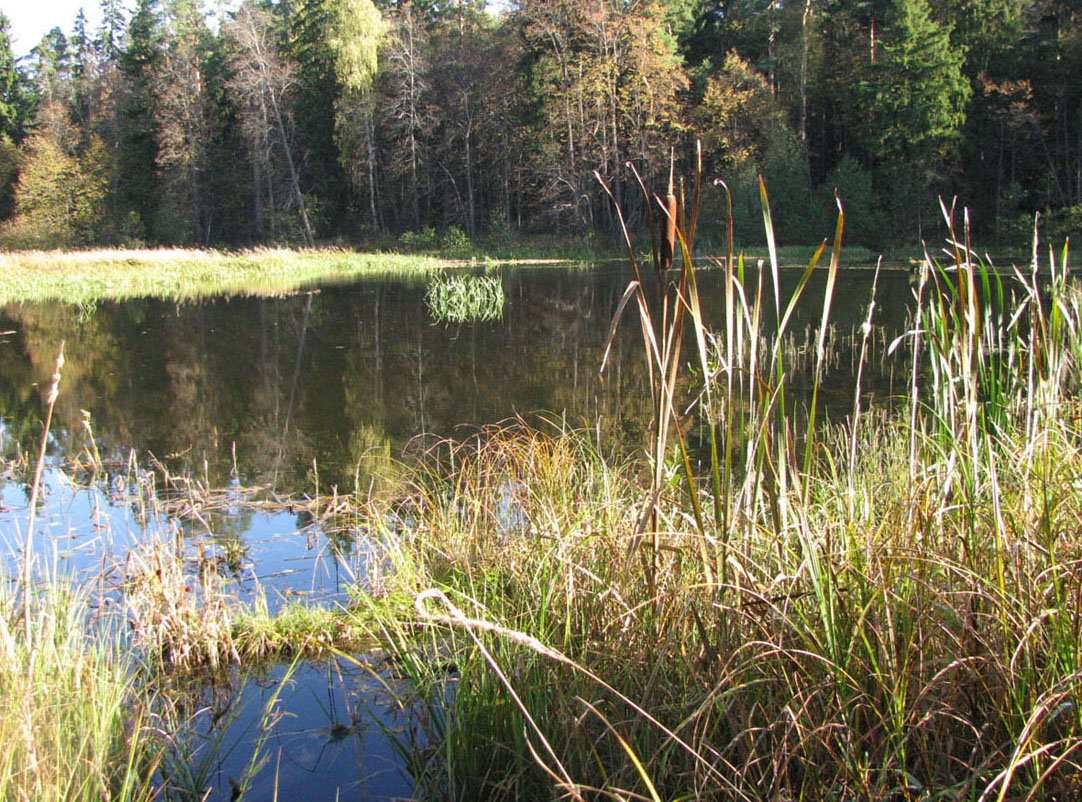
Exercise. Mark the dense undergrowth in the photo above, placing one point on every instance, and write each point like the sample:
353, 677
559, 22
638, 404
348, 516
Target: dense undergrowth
881, 607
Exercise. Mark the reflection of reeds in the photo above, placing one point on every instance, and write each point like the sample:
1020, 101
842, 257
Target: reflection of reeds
463, 299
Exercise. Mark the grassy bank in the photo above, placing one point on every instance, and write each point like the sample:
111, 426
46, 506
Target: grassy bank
81, 277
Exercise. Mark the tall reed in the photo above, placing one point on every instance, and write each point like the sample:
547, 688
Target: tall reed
877, 607
71, 721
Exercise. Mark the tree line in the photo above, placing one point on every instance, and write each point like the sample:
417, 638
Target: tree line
307, 121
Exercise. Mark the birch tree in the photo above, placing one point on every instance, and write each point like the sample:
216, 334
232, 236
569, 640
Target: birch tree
357, 29
261, 82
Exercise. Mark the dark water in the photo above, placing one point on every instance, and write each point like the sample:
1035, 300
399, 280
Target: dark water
266, 388
311, 392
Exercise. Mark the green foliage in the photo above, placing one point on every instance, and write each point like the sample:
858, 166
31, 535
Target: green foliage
745, 135
737, 115
464, 299
354, 37
9, 173
785, 171
14, 101
984, 30
451, 239
137, 187
593, 68
1062, 224
917, 94
866, 224
59, 199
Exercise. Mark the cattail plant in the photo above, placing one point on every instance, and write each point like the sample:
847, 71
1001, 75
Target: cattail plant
35, 487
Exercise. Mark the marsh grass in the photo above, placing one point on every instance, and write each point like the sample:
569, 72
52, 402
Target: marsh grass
70, 721
86, 277
882, 605
463, 299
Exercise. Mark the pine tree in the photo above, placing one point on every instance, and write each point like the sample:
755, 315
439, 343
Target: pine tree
112, 30
138, 152
918, 93
314, 99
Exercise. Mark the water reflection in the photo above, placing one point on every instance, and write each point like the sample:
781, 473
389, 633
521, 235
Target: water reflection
327, 388
319, 730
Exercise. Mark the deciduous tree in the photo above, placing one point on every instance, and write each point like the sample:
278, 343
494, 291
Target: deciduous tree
262, 80
355, 34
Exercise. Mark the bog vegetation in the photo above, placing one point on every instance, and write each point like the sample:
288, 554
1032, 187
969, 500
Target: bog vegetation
88, 277
288, 122
770, 606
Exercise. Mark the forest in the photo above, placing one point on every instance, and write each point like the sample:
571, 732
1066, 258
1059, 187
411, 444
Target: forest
347, 121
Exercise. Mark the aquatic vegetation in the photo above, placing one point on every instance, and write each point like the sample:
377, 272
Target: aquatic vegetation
461, 299
84, 277
872, 607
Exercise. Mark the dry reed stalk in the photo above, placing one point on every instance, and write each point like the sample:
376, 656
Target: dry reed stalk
455, 618
28, 551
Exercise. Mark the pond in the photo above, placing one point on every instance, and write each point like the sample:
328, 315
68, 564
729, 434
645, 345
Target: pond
314, 393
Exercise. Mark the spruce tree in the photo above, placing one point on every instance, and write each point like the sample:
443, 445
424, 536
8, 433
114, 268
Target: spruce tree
15, 101
917, 99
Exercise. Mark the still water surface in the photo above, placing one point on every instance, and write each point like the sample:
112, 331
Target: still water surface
313, 392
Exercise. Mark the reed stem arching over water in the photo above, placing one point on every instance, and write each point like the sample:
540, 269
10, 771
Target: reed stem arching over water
882, 606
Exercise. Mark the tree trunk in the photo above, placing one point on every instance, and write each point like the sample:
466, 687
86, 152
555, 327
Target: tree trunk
370, 158
257, 197
294, 182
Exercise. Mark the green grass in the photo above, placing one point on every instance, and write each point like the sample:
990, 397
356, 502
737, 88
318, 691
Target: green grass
84, 277
72, 719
